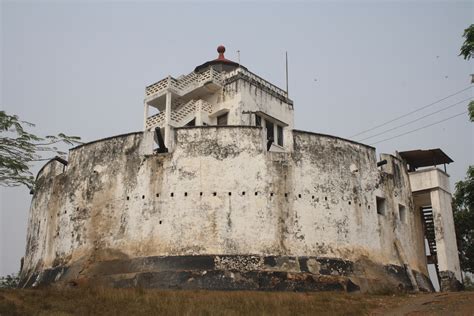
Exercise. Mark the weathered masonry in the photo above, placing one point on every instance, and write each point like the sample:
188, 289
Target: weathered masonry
221, 192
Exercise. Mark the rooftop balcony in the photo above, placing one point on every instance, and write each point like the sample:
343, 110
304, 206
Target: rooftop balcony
196, 85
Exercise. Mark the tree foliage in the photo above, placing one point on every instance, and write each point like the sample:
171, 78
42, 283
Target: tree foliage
10, 281
463, 207
20, 148
471, 111
467, 48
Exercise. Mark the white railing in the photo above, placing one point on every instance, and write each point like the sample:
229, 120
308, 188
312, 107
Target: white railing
155, 120
184, 84
206, 107
182, 112
255, 78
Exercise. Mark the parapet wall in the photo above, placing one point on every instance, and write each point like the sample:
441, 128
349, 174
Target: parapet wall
220, 195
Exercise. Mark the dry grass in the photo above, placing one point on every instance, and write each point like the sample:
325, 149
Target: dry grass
99, 301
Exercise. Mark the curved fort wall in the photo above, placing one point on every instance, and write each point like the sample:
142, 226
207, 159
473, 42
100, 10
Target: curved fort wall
219, 205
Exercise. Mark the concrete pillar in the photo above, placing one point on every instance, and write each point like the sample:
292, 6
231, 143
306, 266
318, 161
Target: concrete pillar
168, 120
447, 250
145, 115
199, 113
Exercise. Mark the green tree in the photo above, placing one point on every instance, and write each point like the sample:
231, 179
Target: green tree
471, 111
467, 48
463, 207
10, 281
19, 149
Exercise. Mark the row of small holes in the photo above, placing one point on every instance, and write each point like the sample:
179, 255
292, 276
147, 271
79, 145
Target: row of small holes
243, 193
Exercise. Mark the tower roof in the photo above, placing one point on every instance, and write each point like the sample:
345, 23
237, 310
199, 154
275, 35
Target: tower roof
223, 63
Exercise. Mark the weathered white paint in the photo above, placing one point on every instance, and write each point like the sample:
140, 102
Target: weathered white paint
329, 209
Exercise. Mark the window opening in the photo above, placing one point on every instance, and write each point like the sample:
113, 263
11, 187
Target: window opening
380, 205
402, 213
280, 135
222, 119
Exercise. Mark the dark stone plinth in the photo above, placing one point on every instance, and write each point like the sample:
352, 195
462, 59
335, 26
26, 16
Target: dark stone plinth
229, 272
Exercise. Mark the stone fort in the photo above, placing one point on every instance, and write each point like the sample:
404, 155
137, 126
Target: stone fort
220, 191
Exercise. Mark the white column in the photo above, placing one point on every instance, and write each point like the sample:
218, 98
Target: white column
199, 113
446, 247
145, 115
168, 120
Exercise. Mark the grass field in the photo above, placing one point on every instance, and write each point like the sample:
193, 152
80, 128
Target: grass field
100, 301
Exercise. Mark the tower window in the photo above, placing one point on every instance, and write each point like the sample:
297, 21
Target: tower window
270, 132
280, 135
222, 119
380, 205
402, 214
258, 120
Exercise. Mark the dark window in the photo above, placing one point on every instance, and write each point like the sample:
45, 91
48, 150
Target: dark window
222, 119
258, 120
380, 205
270, 134
280, 135
402, 213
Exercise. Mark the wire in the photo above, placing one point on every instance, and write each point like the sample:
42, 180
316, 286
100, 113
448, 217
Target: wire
412, 131
414, 111
416, 120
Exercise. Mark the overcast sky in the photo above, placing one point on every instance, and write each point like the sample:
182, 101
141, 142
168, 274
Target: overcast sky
81, 68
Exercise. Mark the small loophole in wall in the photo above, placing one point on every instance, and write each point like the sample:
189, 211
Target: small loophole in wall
286, 194
312, 197
243, 193
230, 193
325, 198
161, 222
271, 194
360, 204
256, 193
143, 197
368, 207
157, 194
215, 193
349, 202
172, 194
200, 193
128, 198
185, 193
299, 196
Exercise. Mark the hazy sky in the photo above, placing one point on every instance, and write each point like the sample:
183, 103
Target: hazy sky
81, 68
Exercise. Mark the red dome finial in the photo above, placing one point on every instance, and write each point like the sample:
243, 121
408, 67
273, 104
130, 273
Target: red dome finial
221, 51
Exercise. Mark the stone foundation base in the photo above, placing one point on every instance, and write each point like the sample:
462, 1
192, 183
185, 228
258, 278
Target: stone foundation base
215, 272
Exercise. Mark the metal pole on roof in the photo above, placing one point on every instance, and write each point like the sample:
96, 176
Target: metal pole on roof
286, 55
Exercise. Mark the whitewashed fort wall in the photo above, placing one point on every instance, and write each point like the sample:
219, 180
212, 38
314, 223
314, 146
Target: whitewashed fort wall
221, 193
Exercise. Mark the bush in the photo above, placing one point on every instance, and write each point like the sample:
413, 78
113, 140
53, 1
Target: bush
10, 281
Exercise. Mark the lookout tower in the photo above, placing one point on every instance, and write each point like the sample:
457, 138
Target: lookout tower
432, 197
219, 92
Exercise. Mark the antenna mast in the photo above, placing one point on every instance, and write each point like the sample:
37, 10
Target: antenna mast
286, 55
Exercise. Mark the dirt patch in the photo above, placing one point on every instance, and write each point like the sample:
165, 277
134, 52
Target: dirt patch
106, 301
